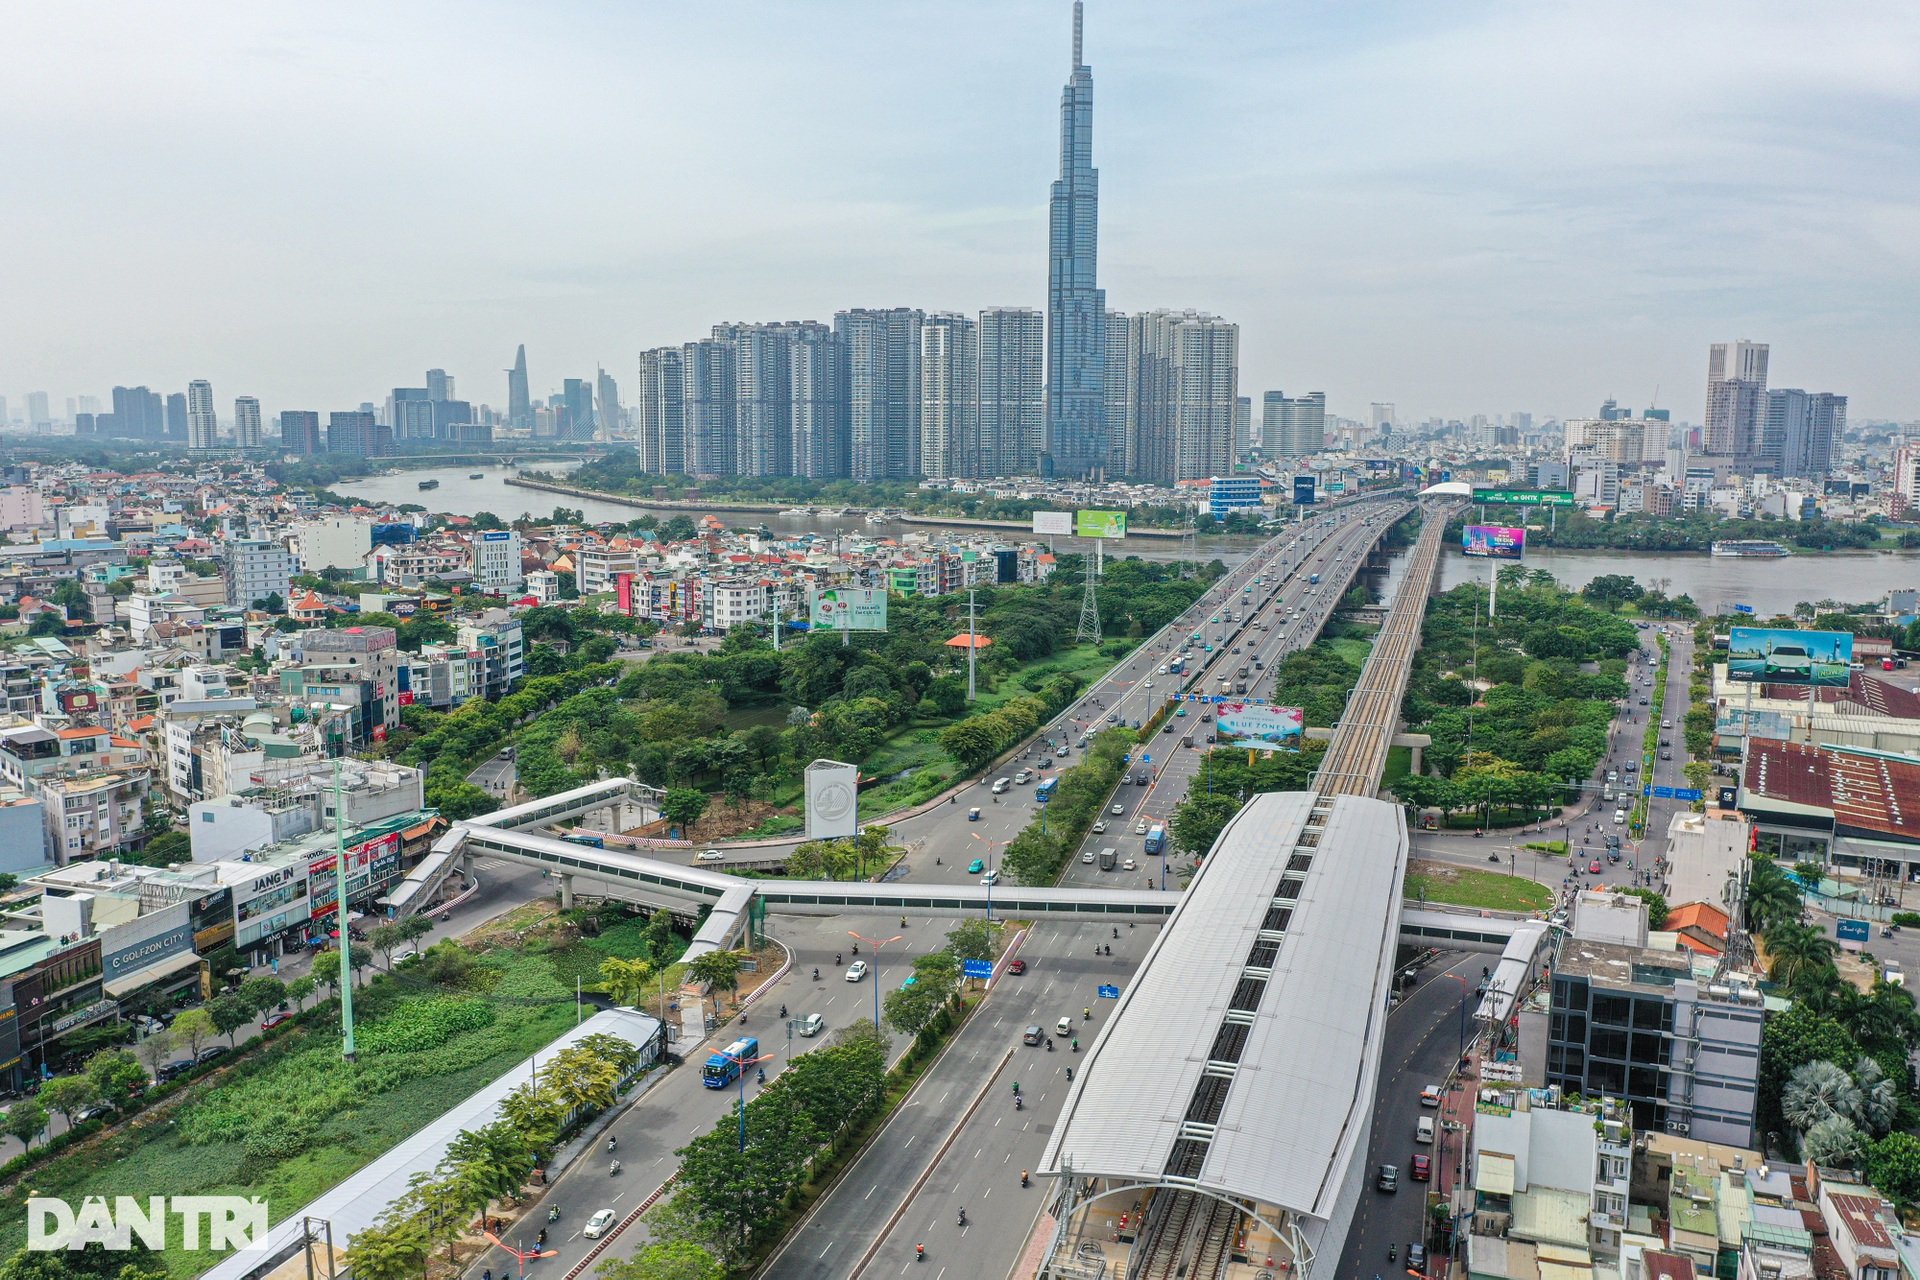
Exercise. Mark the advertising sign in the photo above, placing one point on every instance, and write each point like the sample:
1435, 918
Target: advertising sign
1303, 491
850, 609
148, 952
1380, 464
372, 863
832, 800
1060, 522
1735, 722
1767, 655
1263, 728
1523, 497
1497, 541
1852, 930
1100, 524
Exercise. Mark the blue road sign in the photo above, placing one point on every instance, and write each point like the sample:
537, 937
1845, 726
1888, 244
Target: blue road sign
976, 968
1108, 992
1663, 793
1743, 608
1686, 793
1646, 791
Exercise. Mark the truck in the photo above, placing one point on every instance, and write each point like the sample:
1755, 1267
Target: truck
1313, 579
1109, 858
1157, 837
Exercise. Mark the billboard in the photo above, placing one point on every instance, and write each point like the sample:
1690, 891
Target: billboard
1522, 497
850, 609
1496, 541
1053, 522
1767, 655
832, 800
1380, 464
1303, 491
1100, 524
1261, 727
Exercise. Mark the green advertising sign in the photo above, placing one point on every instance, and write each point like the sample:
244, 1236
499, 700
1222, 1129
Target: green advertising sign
1523, 497
1100, 524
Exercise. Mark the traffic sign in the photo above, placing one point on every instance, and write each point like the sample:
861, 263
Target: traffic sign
1107, 991
1646, 791
976, 968
1686, 793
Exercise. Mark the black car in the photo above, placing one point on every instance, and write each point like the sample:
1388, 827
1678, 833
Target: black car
174, 1070
211, 1052
1417, 1257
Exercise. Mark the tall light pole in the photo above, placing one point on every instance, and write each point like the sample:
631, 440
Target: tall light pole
876, 944
988, 880
746, 1062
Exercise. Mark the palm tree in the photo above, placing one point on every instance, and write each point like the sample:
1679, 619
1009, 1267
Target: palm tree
1818, 1091
1877, 1098
1834, 1141
1794, 949
1772, 899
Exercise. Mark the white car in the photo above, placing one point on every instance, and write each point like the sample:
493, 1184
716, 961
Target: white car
856, 971
1140, 827
990, 879
1100, 827
1087, 857
712, 855
1146, 684
597, 1225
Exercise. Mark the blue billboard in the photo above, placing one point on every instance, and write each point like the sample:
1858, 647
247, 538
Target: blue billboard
1303, 491
1770, 655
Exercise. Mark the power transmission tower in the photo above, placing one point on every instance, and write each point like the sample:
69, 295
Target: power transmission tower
1090, 602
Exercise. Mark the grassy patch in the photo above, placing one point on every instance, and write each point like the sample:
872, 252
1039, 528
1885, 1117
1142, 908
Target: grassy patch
1354, 650
1465, 887
1399, 765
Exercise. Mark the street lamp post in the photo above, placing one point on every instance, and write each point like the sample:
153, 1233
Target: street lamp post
876, 944
989, 881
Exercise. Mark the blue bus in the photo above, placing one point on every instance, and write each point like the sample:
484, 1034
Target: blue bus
586, 838
1156, 837
1044, 792
723, 1068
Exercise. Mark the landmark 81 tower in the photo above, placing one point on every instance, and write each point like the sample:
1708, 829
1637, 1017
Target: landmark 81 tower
1076, 306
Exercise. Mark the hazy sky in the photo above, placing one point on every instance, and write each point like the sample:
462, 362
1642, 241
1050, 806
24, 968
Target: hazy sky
1456, 207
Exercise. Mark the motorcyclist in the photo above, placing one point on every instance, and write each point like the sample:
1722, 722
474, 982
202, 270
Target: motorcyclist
783, 1011
1023, 1177
612, 1142
614, 1167
816, 973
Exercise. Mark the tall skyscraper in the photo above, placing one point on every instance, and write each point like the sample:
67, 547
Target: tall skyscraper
174, 426
612, 419
817, 368
1382, 417
1736, 398
710, 407
662, 410
1012, 425
1798, 435
763, 384
300, 432
519, 402
1242, 426
246, 422
410, 413
1189, 379
439, 385
883, 390
1294, 426
202, 425
354, 432
949, 397
137, 414
577, 395
38, 412
1076, 306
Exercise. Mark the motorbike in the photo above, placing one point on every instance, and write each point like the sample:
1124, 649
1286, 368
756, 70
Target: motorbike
612, 1142
963, 1217
1023, 1177
816, 975
613, 1168
1019, 1103
783, 1011
553, 1214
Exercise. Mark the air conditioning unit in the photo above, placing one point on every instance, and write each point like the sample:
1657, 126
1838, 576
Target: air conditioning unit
1679, 1126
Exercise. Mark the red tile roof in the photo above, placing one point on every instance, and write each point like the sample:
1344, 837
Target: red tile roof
1668, 1266
1860, 1216
1864, 792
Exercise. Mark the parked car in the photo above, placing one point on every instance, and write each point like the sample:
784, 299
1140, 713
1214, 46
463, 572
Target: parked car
1429, 1095
1422, 1168
211, 1052
712, 855
273, 1020
174, 1070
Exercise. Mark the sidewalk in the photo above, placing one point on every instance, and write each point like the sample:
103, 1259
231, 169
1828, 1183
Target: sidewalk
1456, 1118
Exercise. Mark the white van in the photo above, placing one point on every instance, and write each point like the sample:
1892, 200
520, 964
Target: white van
1000, 785
1423, 1129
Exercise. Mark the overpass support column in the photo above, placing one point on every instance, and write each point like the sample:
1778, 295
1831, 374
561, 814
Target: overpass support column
1414, 752
566, 891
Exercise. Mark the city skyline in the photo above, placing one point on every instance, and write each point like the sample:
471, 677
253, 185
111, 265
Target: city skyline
1565, 248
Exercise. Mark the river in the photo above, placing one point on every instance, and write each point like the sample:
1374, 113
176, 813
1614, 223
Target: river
1770, 586
458, 494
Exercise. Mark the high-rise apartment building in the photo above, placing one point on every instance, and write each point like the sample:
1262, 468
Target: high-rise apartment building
949, 396
246, 422
439, 385
1013, 399
519, 400
1293, 426
38, 412
883, 390
256, 569
202, 425
710, 407
138, 415
763, 387
576, 395
1381, 417
1122, 395
661, 408
1906, 479
353, 431
817, 370
1242, 426
175, 419
1188, 383
1736, 399
1077, 439
611, 418
1798, 432
300, 431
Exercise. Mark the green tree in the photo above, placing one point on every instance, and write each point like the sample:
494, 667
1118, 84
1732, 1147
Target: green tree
1893, 1168
264, 993
683, 806
229, 1013
665, 1260
394, 1248
625, 981
1656, 906
1772, 898
1796, 951
1200, 819
971, 940
300, 990
910, 1007
719, 970
194, 1028
26, 1120
490, 1163
67, 1095
91, 1263
117, 1075
1790, 1039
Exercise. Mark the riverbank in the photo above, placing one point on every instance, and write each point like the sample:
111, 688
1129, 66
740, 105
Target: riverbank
768, 508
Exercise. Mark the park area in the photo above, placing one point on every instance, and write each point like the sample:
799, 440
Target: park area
1443, 883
